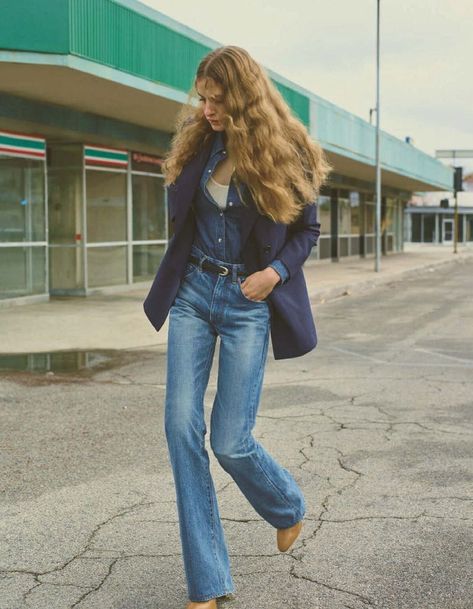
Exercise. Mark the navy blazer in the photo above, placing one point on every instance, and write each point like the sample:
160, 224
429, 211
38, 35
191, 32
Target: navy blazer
293, 331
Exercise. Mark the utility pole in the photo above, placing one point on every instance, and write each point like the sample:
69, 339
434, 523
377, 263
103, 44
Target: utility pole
457, 185
378, 161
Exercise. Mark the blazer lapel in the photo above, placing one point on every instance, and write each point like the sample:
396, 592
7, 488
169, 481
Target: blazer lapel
181, 193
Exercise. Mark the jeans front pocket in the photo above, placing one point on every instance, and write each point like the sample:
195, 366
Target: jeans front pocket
190, 268
246, 297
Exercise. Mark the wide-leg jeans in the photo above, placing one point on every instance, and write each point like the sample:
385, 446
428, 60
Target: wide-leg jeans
208, 305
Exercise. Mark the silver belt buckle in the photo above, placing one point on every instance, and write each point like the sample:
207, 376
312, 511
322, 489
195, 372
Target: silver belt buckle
224, 271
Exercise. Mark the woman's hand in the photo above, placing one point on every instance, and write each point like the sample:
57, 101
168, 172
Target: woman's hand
258, 285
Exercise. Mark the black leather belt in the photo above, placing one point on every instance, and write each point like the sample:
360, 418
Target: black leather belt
214, 268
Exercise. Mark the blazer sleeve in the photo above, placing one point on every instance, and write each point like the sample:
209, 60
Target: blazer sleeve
302, 235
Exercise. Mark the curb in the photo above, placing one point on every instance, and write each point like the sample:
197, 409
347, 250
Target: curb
321, 296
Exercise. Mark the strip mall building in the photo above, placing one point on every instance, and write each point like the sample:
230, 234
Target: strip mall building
89, 93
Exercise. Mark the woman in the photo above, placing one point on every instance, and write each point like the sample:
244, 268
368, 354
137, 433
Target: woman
242, 177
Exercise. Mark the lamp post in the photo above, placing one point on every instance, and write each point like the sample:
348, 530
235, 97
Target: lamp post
378, 163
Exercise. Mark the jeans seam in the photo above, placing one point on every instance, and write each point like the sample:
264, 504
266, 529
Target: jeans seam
212, 516
281, 494
257, 461
259, 378
212, 530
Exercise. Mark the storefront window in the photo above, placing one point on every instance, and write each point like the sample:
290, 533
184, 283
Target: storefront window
149, 211
355, 212
323, 205
106, 266
22, 221
106, 206
389, 214
22, 271
429, 228
22, 204
369, 215
416, 228
469, 228
344, 215
146, 259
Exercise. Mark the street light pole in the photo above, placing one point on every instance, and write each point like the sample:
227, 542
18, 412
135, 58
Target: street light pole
455, 213
378, 164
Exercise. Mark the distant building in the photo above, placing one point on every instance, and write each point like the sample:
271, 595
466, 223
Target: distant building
468, 182
429, 217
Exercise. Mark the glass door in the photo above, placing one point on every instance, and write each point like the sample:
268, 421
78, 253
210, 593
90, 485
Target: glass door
150, 229
22, 227
106, 212
447, 230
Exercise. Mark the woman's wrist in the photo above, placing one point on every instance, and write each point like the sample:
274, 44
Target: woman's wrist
273, 274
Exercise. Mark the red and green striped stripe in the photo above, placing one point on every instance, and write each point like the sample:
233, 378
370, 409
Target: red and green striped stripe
105, 157
27, 146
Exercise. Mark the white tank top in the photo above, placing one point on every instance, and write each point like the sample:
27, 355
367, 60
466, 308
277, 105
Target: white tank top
219, 192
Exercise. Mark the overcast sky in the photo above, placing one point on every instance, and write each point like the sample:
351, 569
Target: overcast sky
329, 47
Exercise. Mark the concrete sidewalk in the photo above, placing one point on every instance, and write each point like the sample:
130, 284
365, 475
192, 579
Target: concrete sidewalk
117, 321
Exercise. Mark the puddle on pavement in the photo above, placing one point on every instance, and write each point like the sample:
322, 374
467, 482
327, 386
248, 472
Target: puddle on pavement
62, 363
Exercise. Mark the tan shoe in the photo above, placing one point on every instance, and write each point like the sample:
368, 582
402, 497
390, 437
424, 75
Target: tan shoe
210, 604
286, 537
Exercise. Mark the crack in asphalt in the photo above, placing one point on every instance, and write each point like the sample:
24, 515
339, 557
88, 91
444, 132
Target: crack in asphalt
355, 518
364, 599
101, 583
57, 569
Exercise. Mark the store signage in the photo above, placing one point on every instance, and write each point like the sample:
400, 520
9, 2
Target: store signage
105, 157
26, 146
354, 198
149, 159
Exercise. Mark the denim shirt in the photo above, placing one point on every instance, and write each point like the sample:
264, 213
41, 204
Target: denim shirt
218, 230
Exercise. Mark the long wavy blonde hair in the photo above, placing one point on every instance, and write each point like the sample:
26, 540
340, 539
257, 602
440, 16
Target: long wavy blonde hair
273, 154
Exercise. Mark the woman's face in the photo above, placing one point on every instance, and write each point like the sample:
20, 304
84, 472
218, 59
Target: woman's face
211, 98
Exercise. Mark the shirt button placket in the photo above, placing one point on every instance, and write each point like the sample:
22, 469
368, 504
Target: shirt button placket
220, 239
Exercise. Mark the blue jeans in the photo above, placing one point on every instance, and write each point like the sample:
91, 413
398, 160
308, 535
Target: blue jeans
208, 305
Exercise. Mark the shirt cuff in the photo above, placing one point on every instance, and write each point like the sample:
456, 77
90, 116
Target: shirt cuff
281, 270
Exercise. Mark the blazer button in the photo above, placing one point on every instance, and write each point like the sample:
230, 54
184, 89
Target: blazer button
267, 248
